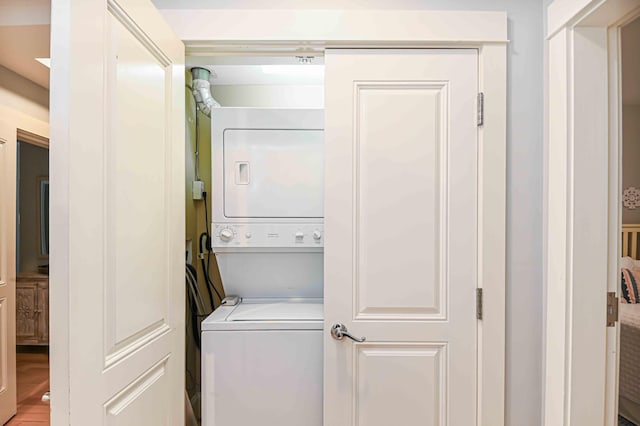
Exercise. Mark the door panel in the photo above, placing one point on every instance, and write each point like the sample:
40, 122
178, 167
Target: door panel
136, 191
411, 187
258, 167
401, 237
419, 370
8, 161
26, 307
117, 255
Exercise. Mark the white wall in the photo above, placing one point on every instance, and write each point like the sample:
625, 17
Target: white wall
269, 96
524, 173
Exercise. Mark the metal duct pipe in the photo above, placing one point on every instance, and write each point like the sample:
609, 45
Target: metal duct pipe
201, 88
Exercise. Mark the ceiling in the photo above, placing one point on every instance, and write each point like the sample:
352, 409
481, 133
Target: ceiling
24, 36
631, 63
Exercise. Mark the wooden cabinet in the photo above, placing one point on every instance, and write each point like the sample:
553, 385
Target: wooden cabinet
32, 309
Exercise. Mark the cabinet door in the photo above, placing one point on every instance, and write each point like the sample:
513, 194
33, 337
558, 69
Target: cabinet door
42, 318
26, 313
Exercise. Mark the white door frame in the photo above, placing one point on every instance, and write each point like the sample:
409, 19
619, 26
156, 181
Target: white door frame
583, 222
208, 32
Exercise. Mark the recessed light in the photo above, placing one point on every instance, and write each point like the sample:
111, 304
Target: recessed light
45, 61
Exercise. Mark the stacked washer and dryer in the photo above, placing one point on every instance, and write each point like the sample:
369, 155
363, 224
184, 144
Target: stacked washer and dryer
262, 349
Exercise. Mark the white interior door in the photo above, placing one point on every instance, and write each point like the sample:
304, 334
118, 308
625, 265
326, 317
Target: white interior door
401, 223
117, 215
8, 161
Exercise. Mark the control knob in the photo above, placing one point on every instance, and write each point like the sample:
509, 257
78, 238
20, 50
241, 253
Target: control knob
226, 235
317, 235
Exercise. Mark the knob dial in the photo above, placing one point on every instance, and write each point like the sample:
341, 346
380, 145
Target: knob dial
226, 235
299, 235
317, 235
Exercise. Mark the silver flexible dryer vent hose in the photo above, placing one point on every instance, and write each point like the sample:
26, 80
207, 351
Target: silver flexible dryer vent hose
202, 90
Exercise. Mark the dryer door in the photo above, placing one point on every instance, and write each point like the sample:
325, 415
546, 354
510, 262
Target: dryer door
273, 173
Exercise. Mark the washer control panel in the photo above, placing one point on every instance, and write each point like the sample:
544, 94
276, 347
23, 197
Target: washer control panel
268, 235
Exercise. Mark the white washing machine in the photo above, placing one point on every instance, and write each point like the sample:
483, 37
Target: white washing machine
262, 356
263, 364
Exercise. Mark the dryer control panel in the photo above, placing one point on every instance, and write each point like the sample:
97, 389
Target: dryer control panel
298, 235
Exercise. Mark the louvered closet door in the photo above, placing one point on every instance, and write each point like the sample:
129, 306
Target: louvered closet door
401, 223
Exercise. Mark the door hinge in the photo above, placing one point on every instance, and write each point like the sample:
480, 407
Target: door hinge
479, 303
612, 309
480, 109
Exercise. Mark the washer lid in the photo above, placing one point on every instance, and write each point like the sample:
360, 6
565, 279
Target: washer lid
279, 311
266, 315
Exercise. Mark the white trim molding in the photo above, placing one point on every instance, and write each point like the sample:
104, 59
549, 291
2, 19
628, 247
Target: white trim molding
583, 214
336, 27
242, 32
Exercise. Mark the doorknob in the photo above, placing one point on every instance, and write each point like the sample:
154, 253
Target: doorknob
339, 332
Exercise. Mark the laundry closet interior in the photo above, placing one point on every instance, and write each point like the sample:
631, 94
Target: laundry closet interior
255, 238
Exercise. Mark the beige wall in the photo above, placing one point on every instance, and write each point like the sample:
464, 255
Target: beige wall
23, 97
630, 115
195, 223
24, 105
630, 156
34, 163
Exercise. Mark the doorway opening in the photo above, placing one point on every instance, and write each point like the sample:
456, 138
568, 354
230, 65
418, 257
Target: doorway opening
32, 281
286, 81
629, 307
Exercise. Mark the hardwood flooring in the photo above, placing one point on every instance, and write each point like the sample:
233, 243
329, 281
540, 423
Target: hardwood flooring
33, 381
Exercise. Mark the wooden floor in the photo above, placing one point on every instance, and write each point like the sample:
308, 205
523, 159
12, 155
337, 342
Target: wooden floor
33, 382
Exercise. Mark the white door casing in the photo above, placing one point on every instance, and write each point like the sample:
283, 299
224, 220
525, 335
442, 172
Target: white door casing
401, 225
8, 161
583, 222
210, 32
117, 215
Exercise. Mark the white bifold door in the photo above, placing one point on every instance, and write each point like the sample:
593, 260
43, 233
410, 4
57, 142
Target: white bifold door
401, 224
117, 215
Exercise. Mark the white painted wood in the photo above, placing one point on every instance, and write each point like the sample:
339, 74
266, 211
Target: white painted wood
8, 162
588, 13
561, 12
117, 219
335, 27
583, 193
630, 232
492, 210
401, 225
556, 273
586, 299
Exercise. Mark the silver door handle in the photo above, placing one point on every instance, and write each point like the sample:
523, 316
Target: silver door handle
339, 332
